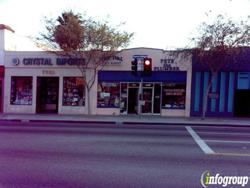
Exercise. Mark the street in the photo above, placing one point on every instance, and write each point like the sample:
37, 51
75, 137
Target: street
47, 155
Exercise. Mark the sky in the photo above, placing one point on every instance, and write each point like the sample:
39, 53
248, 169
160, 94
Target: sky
164, 24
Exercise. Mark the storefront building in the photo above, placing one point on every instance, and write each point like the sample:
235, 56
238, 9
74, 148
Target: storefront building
34, 82
4, 30
230, 91
41, 82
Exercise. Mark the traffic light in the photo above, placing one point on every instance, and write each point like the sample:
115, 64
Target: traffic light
147, 66
134, 66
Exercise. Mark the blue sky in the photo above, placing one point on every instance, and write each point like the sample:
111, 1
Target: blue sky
156, 23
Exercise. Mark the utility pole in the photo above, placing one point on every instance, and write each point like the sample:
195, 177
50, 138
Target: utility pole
143, 66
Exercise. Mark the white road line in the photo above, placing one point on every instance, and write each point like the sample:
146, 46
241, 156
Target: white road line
225, 133
204, 147
220, 127
229, 141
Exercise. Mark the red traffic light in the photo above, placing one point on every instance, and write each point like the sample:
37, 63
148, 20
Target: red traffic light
147, 65
147, 62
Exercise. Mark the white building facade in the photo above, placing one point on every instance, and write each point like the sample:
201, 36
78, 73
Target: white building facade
41, 82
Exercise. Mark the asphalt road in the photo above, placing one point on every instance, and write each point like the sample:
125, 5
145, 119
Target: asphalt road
47, 155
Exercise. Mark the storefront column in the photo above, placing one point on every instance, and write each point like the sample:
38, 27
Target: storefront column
34, 93
1, 87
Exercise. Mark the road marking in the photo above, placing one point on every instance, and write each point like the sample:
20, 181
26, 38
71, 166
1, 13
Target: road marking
220, 127
218, 133
233, 154
204, 147
229, 141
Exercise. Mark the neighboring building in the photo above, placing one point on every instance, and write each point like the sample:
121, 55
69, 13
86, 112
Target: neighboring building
230, 92
4, 30
40, 82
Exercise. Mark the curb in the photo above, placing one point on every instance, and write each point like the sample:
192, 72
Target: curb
191, 123
124, 124
69, 121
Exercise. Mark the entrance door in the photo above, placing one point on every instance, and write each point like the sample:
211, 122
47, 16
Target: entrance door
157, 98
242, 103
147, 96
133, 100
47, 94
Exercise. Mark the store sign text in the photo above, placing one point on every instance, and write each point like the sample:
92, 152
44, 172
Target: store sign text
48, 61
167, 65
48, 72
70, 61
37, 61
114, 60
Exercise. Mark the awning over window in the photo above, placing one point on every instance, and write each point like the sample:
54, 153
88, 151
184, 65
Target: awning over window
157, 76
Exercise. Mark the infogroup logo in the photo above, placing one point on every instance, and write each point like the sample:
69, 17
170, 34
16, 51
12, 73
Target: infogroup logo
208, 179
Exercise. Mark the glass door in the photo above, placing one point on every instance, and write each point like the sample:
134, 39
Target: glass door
133, 100
157, 98
123, 98
147, 95
47, 94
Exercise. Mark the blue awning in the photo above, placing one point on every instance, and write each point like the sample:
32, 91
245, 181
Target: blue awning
157, 76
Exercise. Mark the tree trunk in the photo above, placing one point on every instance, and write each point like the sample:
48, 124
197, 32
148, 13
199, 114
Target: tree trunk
206, 94
89, 85
88, 101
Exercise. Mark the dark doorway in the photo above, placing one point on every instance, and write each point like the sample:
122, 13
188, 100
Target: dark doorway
242, 103
133, 100
147, 95
47, 94
157, 98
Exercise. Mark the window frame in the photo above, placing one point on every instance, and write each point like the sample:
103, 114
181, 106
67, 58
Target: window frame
174, 96
117, 97
28, 94
80, 97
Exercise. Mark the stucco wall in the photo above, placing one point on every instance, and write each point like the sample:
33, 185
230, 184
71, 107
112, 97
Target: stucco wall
124, 64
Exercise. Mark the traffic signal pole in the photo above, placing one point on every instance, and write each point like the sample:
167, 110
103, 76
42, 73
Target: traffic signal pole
140, 96
143, 68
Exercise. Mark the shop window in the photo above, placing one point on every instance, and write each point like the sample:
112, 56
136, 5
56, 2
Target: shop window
108, 95
173, 95
21, 91
73, 91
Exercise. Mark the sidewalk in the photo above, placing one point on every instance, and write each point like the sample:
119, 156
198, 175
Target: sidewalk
125, 119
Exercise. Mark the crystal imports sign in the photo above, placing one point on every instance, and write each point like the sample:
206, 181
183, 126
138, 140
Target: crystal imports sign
114, 60
48, 61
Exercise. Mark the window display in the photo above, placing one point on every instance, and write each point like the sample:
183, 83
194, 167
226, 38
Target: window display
21, 91
73, 91
108, 95
173, 95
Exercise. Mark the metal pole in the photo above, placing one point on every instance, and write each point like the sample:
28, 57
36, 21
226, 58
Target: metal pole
140, 95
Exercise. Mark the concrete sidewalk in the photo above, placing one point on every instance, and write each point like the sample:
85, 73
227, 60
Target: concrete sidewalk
125, 119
